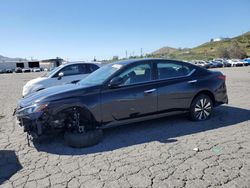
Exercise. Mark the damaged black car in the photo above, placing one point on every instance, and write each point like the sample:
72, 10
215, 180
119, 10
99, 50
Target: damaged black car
121, 93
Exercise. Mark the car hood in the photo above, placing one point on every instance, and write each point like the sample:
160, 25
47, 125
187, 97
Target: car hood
36, 80
54, 93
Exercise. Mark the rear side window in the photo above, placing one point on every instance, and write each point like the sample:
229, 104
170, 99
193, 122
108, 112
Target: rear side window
167, 70
91, 68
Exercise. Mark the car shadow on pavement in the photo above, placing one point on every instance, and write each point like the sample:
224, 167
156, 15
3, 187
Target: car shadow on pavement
164, 130
9, 165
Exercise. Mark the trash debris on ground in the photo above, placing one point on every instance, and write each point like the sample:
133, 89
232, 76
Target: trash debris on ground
217, 150
196, 149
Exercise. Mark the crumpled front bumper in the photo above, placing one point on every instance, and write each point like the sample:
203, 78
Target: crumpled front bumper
29, 122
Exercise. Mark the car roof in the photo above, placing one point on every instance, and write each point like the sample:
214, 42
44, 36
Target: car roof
129, 61
82, 62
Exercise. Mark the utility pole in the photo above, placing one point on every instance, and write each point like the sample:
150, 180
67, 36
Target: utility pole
126, 54
141, 53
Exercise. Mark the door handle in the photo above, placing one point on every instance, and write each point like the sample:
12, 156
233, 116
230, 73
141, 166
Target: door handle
75, 81
149, 91
192, 81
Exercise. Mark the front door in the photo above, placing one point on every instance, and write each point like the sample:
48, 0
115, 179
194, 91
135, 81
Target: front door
71, 74
135, 97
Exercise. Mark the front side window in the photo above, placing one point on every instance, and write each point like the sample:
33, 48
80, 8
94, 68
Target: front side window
72, 70
53, 71
172, 70
137, 74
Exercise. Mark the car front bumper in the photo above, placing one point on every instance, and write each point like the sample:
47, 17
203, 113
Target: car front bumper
30, 122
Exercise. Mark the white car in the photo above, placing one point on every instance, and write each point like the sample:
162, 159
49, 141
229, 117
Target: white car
201, 63
64, 74
235, 62
36, 69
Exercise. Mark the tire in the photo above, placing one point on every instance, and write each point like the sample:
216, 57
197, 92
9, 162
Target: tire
201, 108
80, 140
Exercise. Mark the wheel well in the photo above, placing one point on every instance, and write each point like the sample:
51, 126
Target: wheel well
208, 93
62, 117
85, 114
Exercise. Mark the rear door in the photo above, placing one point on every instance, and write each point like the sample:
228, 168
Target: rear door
175, 86
135, 97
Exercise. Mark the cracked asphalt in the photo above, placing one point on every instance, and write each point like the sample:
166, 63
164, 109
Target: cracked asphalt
156, 153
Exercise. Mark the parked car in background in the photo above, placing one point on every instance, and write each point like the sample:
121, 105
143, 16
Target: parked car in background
246, 61
212, 65
8, 71
226, 63
121, 93
215, 64
236, 62
36, 69
18, 70
218, 64
2, 71
64, 74
26, 70
201, 63
223, 61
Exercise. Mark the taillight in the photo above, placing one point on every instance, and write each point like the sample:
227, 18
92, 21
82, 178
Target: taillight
222, 77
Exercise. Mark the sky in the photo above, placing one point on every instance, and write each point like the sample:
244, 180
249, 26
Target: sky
84, 29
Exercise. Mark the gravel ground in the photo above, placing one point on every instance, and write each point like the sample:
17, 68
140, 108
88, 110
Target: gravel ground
155, 153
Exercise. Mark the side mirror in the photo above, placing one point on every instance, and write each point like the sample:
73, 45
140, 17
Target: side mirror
60, 75
115, 82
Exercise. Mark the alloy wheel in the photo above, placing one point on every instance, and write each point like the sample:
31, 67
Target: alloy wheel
202, 109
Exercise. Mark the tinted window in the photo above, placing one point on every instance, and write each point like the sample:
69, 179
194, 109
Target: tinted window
73, 70
137, 74
83, 69
172, 70
91, 68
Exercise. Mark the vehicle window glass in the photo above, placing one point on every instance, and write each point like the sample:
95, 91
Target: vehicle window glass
47, 74
137, 74
172, 70
83, 69
72, 70
100, 75
92, 68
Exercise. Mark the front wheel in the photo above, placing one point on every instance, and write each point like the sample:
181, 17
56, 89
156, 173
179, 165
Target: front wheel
201, 108
86, 139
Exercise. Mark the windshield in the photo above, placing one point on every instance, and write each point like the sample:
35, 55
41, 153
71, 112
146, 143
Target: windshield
100, 75
47, 74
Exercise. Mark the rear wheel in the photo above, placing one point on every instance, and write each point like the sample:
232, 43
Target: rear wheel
201, 108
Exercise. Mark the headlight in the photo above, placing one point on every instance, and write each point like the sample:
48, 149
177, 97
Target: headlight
32, 109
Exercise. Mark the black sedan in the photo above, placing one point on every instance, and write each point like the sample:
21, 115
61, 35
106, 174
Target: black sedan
121, 93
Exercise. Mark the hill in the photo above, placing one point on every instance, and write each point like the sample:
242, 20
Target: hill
207, 50
165, 50
3, 58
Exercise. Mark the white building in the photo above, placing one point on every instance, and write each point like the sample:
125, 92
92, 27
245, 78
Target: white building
13, 64
219, 39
